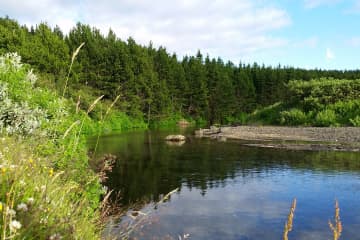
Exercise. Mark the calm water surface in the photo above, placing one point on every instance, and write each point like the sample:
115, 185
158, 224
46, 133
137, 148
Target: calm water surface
229, 191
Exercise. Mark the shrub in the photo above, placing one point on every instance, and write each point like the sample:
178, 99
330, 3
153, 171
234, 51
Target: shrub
346, 110
293, 117
325, 118
356, 121
18, 118
267, 115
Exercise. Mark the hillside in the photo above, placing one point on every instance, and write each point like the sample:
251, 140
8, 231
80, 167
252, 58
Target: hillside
154, 85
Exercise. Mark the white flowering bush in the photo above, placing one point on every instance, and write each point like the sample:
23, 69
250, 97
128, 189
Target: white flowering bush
10, 62
23, 107
18, 117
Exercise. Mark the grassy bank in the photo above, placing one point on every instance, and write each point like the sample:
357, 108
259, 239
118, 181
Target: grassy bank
47, 189
319, 102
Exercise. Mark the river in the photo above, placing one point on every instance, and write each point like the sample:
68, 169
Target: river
229, 191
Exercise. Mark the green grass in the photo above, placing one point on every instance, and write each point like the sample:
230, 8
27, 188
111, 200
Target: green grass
320, 102
47, 188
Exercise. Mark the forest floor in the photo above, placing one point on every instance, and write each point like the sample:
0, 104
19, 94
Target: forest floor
296, 138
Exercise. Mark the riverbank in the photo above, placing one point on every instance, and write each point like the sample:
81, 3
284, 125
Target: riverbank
296, 138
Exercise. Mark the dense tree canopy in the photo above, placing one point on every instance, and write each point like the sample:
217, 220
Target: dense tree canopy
153, 84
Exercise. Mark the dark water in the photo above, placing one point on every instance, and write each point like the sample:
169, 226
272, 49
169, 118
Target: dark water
229, 191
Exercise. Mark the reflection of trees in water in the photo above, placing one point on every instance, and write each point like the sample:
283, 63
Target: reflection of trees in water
148, 168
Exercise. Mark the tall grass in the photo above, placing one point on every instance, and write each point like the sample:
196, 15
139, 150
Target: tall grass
76, 52
37, 202
337, 226
47, 188
289, 222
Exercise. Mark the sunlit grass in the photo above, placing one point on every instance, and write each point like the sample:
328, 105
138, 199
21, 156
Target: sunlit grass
36, 202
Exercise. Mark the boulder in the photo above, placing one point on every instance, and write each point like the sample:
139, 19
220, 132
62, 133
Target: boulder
175, 138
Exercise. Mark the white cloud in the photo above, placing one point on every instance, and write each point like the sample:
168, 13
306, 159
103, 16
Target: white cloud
354, 42
357, 5
229, 28
353, 8
329, 54
310, 42
317, 3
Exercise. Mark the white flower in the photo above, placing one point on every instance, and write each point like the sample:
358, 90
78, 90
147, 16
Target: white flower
10, 212
55, 236
43, 188
44, 220
30, 200
22, 207
31, 77
14, 225
22, 183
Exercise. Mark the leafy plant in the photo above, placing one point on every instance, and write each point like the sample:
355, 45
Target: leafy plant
293, 117
326, 118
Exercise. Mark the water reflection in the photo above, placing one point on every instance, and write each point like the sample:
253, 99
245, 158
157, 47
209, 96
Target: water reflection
233, 192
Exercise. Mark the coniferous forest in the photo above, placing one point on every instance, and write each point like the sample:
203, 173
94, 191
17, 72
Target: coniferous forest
155, 84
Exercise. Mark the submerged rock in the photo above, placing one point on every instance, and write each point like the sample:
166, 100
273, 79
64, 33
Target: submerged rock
175, 138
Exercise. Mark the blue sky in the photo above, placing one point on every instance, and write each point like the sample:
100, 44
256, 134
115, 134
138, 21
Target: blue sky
322, 34
300, 33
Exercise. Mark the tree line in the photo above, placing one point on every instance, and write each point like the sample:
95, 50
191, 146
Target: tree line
153, 83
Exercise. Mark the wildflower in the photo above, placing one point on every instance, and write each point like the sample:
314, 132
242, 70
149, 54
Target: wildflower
51, 172
30, 201
43, 188
31, 77
1, 206
14, 225
31, 161
55, 236
3, 170
44, 220
22, 207
10, 212
22, 183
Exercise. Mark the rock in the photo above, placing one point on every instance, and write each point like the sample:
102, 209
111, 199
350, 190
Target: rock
221, 138
183, 123
213, 131
176, 144
199, 133
175, 138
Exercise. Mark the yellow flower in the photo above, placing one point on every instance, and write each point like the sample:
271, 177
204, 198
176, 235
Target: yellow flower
51, 172
1, 206
31, 161
3, 169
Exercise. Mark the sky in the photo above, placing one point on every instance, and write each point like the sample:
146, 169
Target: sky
301, 33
